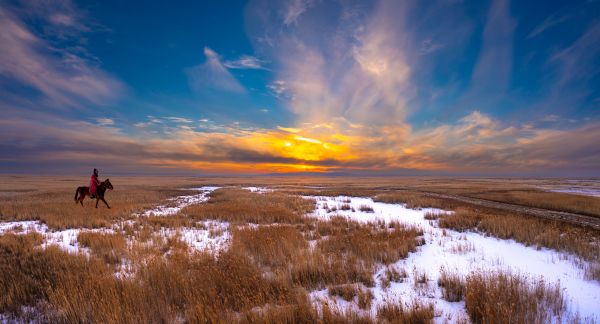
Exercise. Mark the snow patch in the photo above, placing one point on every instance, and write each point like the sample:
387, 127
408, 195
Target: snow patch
180, 202
211, 236
64, 239
260, 190
460, 253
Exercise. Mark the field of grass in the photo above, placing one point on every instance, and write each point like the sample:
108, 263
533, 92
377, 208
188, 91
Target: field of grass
275, 259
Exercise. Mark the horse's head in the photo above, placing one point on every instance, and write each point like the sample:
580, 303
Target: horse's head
107, 184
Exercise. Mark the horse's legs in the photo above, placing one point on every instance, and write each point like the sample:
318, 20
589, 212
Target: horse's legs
97, 200
105, 202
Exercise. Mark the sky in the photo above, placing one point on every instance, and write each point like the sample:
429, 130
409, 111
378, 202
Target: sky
447, 87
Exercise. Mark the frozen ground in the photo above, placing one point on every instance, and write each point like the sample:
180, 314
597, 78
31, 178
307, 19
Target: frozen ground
211, 236
460, 253
258, 189
180, 202
65, 239
579, 191
457, 252
576, 187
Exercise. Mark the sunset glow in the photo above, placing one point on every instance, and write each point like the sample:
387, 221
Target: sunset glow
386, 87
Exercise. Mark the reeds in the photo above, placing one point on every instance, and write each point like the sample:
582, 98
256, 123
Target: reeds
242, 206
415, 312
504, 297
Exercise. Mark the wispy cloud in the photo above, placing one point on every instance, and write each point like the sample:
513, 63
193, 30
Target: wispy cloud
279, 88
295, 8
546, 24
105, 121
213, 75
428, 46
246, 62
550, 118
494, 66
62, 76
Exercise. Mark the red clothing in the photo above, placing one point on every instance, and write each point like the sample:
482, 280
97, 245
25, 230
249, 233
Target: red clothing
93, 183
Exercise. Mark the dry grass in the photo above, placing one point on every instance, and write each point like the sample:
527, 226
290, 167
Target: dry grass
315, 270
271, 246
365, 298
415, 200
265, 274
462, 219
432, 216
548, 200
391, 274
242, 206
347, 292
57, 209
78, 289
453, 286
31, 275
502, 297
372, 243
415, 313
300, 311
366, 209
111, 247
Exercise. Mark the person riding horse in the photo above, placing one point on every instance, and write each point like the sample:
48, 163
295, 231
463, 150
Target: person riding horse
96, 190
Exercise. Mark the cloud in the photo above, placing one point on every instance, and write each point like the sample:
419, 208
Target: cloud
279, 89
180, 120
212, 75
475, 143
246, 62
428, 47
546, 24
550, 118
294, 9
577, 60
105, 121
65, 77
494, 65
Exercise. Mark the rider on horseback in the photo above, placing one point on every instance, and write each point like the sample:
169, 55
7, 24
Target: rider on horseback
94, 182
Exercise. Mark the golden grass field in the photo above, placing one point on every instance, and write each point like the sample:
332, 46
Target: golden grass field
276, 255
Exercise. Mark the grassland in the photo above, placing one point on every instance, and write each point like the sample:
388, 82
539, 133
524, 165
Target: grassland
276, 256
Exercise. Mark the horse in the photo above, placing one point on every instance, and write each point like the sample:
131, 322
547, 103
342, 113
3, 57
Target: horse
81, 192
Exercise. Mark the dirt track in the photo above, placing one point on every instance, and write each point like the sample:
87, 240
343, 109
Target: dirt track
578, 219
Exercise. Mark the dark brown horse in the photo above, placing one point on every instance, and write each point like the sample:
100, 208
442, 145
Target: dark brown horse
81, 192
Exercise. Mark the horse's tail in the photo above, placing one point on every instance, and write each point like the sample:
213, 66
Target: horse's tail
76, 192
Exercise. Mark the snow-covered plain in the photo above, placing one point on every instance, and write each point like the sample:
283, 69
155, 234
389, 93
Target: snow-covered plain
460, 253
210, 236
456, 252
65, 239
575, 187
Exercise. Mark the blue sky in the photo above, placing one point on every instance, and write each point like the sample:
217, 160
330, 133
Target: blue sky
395, 87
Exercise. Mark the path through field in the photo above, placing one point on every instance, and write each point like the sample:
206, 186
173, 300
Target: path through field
577, 219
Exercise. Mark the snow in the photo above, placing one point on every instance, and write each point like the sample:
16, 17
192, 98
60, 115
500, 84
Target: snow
575, 187
456, 252
460, 253
579, 191
64, 239
260, 190
212, 236
181, 202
